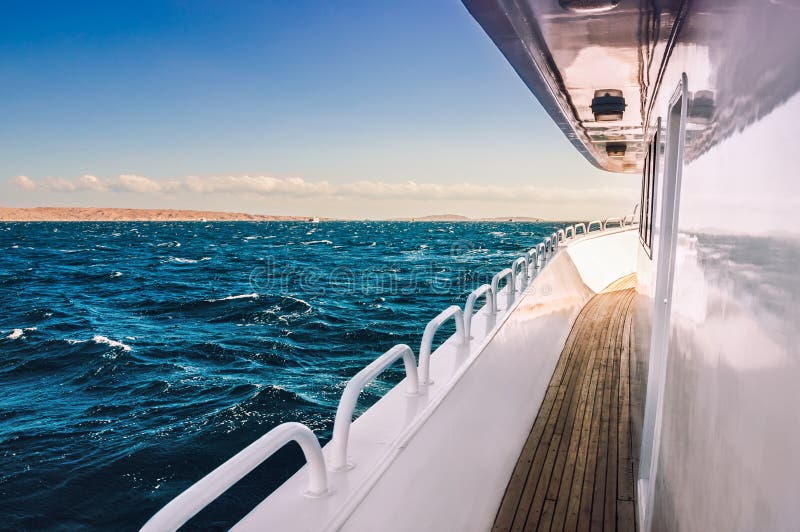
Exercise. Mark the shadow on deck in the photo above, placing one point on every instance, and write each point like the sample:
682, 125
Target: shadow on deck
576, 468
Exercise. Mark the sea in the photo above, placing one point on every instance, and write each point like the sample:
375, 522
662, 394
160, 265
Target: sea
135, 357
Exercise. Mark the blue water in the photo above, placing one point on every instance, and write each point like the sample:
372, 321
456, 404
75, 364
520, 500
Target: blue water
136, 357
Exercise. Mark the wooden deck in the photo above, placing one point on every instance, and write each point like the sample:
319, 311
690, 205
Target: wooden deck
576, 468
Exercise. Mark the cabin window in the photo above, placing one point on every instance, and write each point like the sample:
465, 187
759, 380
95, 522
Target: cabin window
647, 198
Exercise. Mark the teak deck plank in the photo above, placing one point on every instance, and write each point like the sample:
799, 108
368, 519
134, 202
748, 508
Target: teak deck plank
575, 470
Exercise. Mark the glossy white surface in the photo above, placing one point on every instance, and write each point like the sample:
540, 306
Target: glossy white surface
731, 419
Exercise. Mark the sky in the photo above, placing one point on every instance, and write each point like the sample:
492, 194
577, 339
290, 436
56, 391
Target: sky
339, 109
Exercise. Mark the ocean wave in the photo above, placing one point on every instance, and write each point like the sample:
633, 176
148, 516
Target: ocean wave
19, 333
181, 260
98, 339
253, 295
312, 242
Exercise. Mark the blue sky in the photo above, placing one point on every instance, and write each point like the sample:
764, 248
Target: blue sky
355, 109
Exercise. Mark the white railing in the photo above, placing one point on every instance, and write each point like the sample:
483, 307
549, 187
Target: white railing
186, 505
347, 404
594, 222
502, 274
199, 495
469, 306
515, 271
453, 311
533, 261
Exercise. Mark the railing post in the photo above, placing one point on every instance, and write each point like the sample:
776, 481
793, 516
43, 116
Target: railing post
506, 272
533, 261
593, 222
349, 399
425, 346
515, 267
186, 505
469, 306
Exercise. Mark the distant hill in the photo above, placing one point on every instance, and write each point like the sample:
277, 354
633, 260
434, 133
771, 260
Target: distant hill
99, 214
102, 214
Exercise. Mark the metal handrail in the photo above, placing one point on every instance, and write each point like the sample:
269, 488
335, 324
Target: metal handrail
425, 347
582, 226
514, 267
567, 230
590, 224
611, 221
542, 252
561, 235
548, 244
469, 306
533, 260
505, 272
554, 239
347, 404
186, 505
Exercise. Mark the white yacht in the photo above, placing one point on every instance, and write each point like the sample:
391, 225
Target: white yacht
631, 373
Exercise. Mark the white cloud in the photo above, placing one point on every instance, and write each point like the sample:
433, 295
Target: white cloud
24, 182
137, 183
298, 187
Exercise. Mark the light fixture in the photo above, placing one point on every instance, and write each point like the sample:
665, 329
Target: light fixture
608, 104
616, 151
701, 107
588, 6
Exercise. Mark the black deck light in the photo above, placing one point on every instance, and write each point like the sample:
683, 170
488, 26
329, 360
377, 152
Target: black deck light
616, 150
588, 6
608, 104
701, 107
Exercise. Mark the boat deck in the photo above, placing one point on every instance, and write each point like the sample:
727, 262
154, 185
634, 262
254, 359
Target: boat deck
576, 468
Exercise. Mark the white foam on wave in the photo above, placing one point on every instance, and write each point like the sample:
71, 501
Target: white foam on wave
116, 274
301, 301
19, 333
312, 242
181, 260
98, 339
229, 298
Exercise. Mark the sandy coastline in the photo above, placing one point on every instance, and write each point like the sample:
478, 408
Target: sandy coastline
110, 214
100, 214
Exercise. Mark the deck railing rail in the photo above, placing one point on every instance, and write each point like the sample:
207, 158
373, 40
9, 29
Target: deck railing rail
505, 273
207, 489
199, 495
469, 307
598, 223
521, 273
347, 404
425, 347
